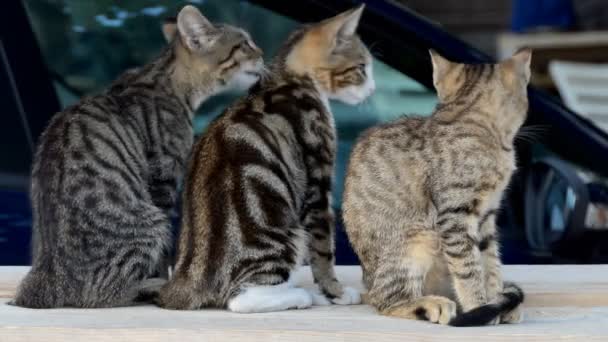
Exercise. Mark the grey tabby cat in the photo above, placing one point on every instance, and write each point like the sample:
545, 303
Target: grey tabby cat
106, 170
422, 193
258, 195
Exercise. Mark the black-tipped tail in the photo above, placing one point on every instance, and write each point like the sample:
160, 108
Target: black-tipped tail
510, 298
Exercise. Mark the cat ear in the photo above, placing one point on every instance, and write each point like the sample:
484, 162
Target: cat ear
169, 28
440, 66
522, 60
344, 25
350, 21
517, 67
194, 28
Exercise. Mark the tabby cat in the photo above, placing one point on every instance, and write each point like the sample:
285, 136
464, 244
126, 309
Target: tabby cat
257, 199
106, 170
422, 193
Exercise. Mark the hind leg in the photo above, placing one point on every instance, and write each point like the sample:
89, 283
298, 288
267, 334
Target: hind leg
270, 298
260, 289
134, 260
399, 281
180, 293
39, 290
320, 224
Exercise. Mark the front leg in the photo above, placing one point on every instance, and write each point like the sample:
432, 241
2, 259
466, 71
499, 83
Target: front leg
319, 222
490, 254
459, 236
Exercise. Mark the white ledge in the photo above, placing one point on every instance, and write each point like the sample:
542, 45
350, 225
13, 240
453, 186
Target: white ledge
563, 303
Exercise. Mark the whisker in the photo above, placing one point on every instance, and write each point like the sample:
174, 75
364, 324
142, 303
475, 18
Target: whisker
532, 133
527, 138
375, 52
265, 73
540, 128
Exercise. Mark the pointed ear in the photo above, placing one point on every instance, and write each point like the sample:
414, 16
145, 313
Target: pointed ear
522, 60
194, 28
517, 67
351, 20
440, 66
343, 25
169, 28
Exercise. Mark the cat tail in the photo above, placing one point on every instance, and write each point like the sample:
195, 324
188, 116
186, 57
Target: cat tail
147, 297
511, 296
37, 291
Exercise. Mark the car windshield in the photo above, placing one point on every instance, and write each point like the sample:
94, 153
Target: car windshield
86, 44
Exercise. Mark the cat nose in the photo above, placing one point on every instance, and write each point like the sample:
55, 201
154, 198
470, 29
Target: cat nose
256, 49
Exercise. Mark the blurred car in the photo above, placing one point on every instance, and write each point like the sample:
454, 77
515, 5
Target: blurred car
54, 51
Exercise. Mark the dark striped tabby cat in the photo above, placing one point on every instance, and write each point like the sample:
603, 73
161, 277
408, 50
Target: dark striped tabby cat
105, 174
257, 199
422, 193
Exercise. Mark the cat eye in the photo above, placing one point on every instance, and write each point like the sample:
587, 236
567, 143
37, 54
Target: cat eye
362, 68
246, 46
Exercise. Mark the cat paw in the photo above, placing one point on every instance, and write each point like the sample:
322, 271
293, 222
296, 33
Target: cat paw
303, 299
270, 298
512, 317
319, 299
350, 296
436, 309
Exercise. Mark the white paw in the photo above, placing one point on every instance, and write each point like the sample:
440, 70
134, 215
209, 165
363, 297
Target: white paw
350, 296
302, 299
318, 299
270, 298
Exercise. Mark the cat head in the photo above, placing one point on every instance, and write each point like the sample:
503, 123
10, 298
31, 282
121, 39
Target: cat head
331, 53
502, 86
210, 54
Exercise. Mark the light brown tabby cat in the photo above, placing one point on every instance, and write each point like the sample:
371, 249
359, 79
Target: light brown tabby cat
258, 196
422, 194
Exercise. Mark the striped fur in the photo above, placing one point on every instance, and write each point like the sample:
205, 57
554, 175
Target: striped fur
258, 196
421, 198
105, 173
